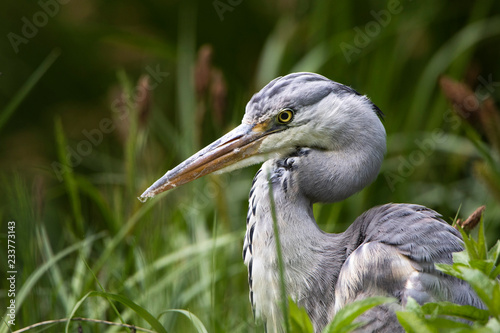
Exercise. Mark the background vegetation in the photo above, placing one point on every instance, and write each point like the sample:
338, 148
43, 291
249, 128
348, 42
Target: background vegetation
100, 98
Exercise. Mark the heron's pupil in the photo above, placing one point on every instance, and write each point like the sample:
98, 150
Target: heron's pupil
285, 116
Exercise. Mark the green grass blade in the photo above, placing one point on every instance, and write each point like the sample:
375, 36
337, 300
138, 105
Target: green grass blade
75, 308
186, 55
451, 309
59, 282
103, 290
412, 323
495, 273
471, 249
143, 313
320, 54
125, 230
33, 278
493, 325
273, 51
68, 176
93, 193
345, 317
181, 254
194, 320
28, 86
482, 285
213, 302
481, 242
494, 256
459, 43
132, 119
299, 320
182, 295
478, 11
28, 285
191, 255
134, 40
79, 275
494, 252
281, 265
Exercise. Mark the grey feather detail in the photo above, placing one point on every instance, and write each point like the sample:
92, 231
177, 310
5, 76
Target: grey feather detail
247, 245
399, 245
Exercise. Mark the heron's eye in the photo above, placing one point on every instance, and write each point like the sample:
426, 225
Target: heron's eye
285, 116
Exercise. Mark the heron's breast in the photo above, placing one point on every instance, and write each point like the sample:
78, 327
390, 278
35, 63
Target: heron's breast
259, 254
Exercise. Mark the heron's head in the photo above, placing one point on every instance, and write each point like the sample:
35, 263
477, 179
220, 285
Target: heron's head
299, 110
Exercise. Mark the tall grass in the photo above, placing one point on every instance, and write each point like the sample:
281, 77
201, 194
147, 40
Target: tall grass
175, 261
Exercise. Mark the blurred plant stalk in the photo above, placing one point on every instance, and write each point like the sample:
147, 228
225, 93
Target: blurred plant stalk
134, 108
479, 112
211, 91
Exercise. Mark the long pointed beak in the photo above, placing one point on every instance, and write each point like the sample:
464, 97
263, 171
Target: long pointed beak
239, 144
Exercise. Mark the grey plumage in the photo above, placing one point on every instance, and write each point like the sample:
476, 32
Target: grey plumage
390, 250
329, 145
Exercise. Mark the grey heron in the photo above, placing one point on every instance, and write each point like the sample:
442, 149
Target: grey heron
322, 141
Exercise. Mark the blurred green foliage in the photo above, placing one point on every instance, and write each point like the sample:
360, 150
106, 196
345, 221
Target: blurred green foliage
100, 98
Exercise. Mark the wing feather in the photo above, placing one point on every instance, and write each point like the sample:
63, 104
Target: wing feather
398, 247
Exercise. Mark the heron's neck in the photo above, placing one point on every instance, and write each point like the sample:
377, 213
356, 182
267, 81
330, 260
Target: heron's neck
312, 259
307, 252
332, 176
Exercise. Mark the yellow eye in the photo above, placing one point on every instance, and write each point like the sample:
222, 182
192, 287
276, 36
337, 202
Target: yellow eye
285, 116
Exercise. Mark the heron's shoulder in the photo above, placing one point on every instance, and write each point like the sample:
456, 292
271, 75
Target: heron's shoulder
417, 231
404, 215
396, 248
392, 211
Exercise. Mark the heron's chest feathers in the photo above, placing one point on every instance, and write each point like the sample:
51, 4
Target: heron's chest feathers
301, 241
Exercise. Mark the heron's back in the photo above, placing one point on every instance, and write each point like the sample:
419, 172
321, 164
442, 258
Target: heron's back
398, 247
